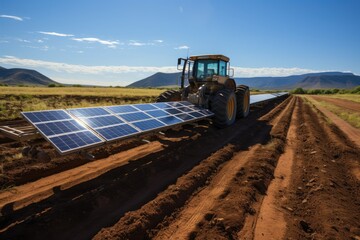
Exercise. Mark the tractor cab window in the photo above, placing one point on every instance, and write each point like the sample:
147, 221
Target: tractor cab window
206, 68
222, 68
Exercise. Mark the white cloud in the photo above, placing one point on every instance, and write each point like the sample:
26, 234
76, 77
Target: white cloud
270, 72
136, 43
149, 43
72, 68
40, 41
56, 34
12, 17
23, 40
182, 47
111, 44
82, 69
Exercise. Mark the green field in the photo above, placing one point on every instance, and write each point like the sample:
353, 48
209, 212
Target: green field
14, 100
81, 91
350, 116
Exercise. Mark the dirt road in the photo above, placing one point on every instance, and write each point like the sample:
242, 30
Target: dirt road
282, 173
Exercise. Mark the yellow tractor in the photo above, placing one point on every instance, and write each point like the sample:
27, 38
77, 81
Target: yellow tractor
210, 86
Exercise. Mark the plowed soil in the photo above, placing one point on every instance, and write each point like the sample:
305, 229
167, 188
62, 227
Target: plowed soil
284, 172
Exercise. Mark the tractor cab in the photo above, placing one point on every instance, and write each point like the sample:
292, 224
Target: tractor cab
203, 69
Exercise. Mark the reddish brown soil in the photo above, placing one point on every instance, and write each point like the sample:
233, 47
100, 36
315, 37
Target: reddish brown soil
352, 132
283, 172
342, 103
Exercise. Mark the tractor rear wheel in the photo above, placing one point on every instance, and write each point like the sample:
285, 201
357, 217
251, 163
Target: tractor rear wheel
243, 101
224, 107
169, 96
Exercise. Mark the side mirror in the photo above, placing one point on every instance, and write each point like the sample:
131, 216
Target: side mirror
231, 72
179, 61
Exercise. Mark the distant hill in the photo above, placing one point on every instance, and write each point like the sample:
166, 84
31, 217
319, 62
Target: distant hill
158, 80
326, 81
308, 81
20, 76
294, 81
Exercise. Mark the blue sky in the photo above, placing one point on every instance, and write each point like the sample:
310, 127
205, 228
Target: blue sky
117, 42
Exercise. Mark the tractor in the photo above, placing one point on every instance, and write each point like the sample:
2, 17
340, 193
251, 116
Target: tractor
210, 86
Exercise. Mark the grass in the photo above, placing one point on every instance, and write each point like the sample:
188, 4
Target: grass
351, 97
352, 117
81, 91
14, 100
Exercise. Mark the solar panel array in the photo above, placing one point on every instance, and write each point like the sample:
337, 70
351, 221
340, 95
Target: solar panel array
255, 99
75, 129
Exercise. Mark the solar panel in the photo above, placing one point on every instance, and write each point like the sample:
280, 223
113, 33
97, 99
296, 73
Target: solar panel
184, 116
122, 109
149, 124
88, 112
116, 132
76, 129
157, 113
170, 120
145, 107
62, 130
96, 122
131, 117
75, 141
59, 127
44, 116
261, 97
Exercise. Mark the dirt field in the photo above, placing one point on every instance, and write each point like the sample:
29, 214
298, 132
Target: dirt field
285, 172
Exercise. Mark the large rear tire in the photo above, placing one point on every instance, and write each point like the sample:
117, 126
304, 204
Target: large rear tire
243, 101
224, 107
169, 96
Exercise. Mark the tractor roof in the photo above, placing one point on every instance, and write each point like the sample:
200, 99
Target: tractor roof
210, 56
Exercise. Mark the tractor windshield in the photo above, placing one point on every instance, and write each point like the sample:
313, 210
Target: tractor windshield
206, 68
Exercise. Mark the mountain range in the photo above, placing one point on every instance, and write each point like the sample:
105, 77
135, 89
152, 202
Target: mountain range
321, 80
20, 76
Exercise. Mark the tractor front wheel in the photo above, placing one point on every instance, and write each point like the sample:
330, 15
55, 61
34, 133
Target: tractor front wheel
224, 107
169, 96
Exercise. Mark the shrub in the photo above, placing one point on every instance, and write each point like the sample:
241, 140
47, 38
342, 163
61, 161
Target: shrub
299, 91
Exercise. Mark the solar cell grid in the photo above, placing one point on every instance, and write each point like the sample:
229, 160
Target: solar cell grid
60, 127
161, 105
196, 114
148, 124
185, 117
115, 132
102, 121
122, 109
145, 107
73, 141
172, 111
157, 113
170, 120
185, 109
131, 117
88, 112
45, 116
175, 104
